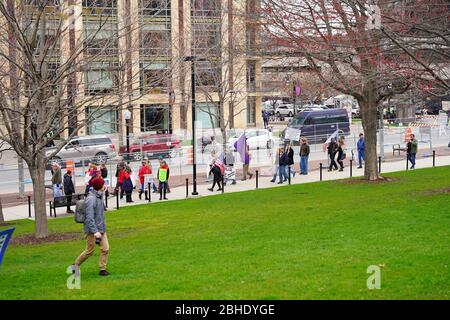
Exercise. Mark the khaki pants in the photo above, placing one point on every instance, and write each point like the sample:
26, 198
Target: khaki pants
90, 248
246, 172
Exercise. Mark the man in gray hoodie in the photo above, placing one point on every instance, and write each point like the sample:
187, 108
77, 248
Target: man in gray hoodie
94, 227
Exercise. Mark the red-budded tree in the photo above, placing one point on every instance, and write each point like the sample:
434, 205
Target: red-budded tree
344, 44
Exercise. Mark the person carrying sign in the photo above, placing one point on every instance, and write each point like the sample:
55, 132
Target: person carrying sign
163, 177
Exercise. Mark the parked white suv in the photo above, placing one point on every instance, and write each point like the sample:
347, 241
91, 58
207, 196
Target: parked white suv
96, 148
284, 110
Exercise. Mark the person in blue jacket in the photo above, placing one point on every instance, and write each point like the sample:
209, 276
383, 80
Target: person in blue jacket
361, 146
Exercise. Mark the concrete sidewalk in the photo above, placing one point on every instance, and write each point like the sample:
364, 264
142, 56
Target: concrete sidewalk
21, 212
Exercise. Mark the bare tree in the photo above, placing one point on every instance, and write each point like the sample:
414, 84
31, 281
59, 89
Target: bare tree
46, 62
343, 44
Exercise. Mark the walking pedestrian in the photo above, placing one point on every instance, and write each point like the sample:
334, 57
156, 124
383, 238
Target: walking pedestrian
90, 173
246, 164
127, 185
69, 189
282, 166
276, 165
230, 172
144, 172
304, 155
361, 146
411, 151
341, 153
217, 170
119, 176
332, 150
163, 178
94, 228
265, 116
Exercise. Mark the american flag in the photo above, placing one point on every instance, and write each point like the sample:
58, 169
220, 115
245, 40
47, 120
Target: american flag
220, 163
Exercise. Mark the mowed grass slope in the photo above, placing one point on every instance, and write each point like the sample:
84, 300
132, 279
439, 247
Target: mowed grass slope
311, 241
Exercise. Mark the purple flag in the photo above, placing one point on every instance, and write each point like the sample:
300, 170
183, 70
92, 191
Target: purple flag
240, 145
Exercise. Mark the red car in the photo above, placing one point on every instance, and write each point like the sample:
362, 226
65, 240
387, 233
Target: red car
153, 146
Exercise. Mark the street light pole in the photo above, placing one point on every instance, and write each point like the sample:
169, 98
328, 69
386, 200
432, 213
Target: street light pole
127, 116
194, 149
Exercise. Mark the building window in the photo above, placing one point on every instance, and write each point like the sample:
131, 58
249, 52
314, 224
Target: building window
102, 120
155, 7
205, 8
101, 37
154, 77
155, 46
155, 40
251, 76
207, 114
100, 7
156, 118
102, 77
251, 111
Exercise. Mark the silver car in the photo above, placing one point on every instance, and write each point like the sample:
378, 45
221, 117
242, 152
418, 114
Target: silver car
96, 148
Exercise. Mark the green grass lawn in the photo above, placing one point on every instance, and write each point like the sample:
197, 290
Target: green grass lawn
311, 241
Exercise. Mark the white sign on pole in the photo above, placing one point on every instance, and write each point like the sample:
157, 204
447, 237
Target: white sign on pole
292, 134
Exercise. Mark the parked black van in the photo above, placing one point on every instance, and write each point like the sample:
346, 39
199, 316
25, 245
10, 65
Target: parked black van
318, 125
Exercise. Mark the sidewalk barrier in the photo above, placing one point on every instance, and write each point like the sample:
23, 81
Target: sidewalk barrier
29, 206
407, 163
434, 158
223, 184
351, 168
117, 200
106, 200
149, 190
379, 164
321, 168
257, 179
289, 174
187, 188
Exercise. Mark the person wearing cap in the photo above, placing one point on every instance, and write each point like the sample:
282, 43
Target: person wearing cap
69, 189
163, 177
94, 227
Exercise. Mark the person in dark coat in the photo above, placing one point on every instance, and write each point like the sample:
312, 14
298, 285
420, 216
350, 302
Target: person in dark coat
218, 171
282, 167
69, 189
341, 154
332, 150
127, 185
290, 160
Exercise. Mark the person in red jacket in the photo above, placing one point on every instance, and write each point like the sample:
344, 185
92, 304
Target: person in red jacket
143, 171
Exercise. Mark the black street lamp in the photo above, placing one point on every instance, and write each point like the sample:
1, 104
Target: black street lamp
192, 59
127, 116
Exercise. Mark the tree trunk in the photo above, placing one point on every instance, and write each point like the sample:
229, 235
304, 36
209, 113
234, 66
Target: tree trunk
369, 123
2, 218
37, 173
